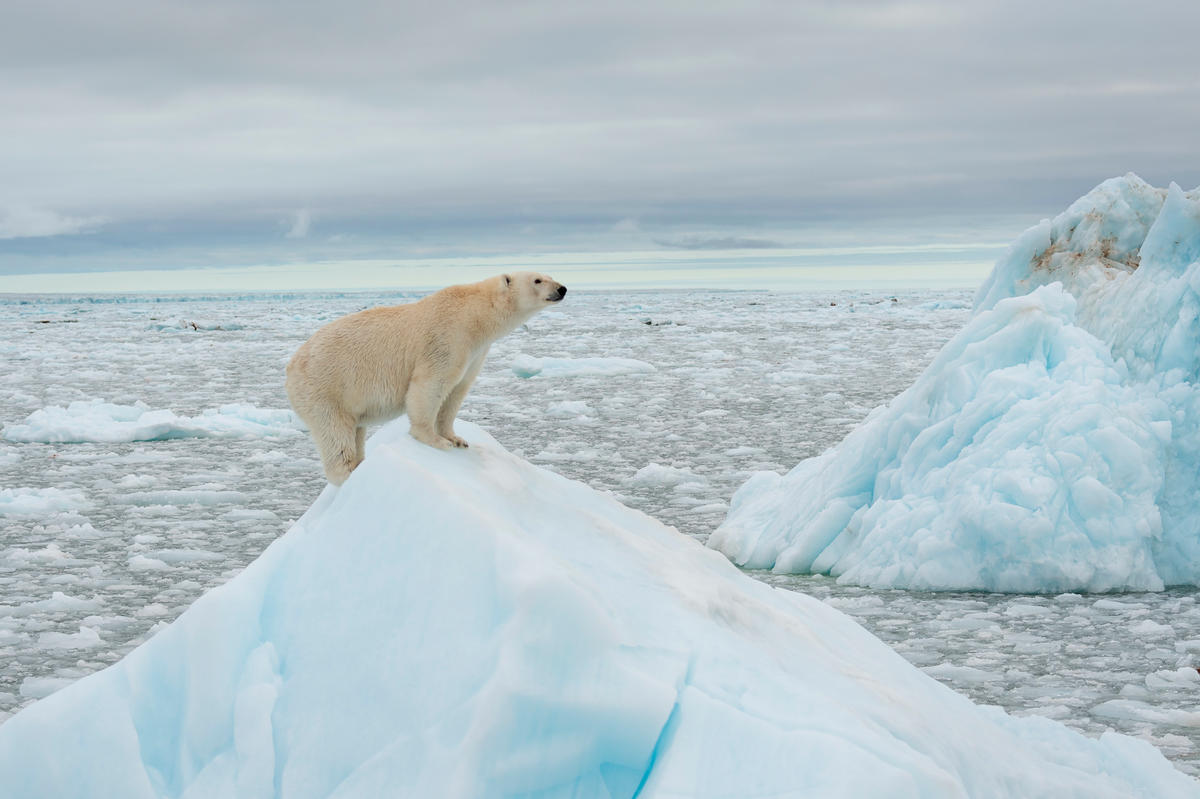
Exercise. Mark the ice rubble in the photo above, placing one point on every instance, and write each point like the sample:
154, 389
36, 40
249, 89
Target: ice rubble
465, 624
1052, 445
100, 421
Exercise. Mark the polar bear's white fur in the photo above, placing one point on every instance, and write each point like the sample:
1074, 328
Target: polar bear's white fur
419, 359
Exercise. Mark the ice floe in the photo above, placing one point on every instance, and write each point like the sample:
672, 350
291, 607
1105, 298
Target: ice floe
39, 501
529, 366
99, 421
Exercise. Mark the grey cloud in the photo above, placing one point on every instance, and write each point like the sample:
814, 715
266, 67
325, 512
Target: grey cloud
166, 118
301, 224
23, 222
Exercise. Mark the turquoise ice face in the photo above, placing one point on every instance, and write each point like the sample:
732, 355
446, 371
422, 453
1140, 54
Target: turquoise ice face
1052, 445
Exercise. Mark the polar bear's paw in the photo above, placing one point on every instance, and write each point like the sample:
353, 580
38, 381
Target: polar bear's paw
431, 438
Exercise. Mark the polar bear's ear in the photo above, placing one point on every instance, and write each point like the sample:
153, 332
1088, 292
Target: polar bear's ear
507, 280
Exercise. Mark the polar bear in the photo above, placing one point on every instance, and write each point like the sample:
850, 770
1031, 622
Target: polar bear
419, 359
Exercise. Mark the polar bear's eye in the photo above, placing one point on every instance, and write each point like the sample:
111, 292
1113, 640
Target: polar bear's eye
539, 280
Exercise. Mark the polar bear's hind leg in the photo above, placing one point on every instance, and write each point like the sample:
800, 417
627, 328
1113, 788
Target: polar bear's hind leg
339, 439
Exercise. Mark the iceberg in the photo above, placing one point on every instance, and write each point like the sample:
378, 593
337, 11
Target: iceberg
1052, 445
465, 624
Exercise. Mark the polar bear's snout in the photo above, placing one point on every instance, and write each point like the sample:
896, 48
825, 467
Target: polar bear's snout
554, 291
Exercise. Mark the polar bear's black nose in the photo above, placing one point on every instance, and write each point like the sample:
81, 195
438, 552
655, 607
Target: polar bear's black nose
562, 291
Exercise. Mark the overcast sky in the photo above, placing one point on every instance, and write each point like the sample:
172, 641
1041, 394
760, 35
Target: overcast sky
158, 134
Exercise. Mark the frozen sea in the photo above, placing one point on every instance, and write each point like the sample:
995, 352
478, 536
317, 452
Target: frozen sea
668, 399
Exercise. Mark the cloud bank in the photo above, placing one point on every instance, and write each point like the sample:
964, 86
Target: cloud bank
406, 127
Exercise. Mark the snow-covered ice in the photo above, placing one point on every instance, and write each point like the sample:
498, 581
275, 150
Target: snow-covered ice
1052, 445
743, 382
568, 646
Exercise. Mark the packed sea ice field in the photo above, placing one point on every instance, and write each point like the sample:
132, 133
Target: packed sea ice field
148, 456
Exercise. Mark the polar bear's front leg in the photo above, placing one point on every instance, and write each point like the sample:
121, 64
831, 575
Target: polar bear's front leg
424, 398
449, 410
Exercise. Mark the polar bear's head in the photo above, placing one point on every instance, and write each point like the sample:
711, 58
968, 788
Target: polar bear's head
532, 291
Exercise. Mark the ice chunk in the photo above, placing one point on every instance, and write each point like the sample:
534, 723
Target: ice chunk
100, 421
966, 674
569, 409
1133, 710
51, 553
196, 324
40, 501
57, 603
141, 563
182, 496
1147, 628
1052, 445
576, 648
38, 687
656, 474
529, 366
86, 638
153, 610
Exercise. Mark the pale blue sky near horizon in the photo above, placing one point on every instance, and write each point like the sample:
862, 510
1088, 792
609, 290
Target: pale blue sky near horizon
172, 146
881, 268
